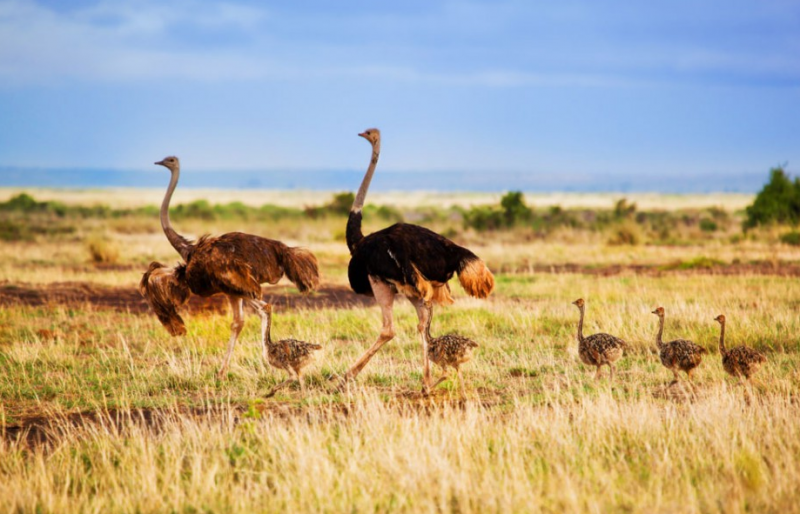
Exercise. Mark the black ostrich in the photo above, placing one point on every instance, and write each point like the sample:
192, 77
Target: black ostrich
408, 260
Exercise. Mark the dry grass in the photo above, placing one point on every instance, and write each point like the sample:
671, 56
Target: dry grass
535, 433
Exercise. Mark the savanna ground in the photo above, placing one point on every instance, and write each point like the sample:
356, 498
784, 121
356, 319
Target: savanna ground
102, 411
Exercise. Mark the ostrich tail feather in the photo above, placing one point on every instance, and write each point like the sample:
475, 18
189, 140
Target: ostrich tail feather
301, 269
475, 278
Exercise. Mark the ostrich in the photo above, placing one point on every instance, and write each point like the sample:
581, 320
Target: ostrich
408, 260
290, 355
598, 349
450, 350
679, 354
234, 264
741, 360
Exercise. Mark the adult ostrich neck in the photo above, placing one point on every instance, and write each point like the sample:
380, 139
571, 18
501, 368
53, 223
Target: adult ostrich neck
722, 349
177, 241
353, 233
580, 324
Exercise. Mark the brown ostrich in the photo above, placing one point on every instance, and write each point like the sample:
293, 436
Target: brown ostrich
234, 264
598, 349
289, 355
677, 355
449, 350
739, 361
408, 260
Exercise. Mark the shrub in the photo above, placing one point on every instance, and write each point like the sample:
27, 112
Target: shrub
23, 202
626, 234
102, 250
341, 203
10, 231
623, 209
511, 212
791, 238
778, 201
707, 225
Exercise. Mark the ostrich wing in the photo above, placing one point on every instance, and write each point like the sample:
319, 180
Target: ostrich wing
397, 252
235, 264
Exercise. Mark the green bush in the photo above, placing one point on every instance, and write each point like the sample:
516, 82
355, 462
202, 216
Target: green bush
707, 225
791, 238
777, 202
511, 212
624, 209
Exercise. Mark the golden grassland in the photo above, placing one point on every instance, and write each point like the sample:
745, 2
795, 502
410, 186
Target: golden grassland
122, 418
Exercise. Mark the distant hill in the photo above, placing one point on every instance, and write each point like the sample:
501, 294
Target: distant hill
337, 180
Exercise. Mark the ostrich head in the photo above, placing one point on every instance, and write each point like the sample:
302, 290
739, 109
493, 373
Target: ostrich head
720, 319
171, 163
578, 303
659, 312
372, 135
165, 289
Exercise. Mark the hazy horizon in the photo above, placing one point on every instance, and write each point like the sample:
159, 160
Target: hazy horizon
347, 180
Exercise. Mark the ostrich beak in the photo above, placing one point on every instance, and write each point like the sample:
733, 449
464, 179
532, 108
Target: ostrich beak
363, 134
161, 163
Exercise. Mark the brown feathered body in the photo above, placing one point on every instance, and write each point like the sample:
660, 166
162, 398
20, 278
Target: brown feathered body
598, 349
235, 264
680, 354
450, 350
739, 361
291, 355
742, 361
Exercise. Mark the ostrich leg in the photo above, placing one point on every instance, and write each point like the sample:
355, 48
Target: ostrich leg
236, 328
264, 311
424, 312
384, 296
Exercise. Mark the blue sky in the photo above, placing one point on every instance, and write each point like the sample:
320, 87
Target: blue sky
569, 89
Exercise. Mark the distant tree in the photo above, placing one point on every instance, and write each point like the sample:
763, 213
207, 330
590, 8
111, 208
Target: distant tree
777, 202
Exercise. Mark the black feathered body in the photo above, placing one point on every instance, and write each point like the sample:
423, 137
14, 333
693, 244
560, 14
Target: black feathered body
403, 255
450, 350
681, 354
600, 349
742, 361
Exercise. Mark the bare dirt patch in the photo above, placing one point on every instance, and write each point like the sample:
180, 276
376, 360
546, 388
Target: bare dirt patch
127, 299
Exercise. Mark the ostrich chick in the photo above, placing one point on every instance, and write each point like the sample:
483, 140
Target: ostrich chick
677, 355
598, 349
450, 350
739, 361
290, 355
